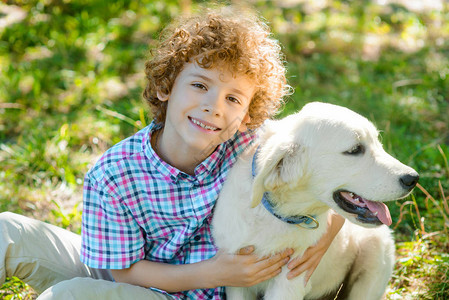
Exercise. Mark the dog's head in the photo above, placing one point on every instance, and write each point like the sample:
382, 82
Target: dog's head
331, 154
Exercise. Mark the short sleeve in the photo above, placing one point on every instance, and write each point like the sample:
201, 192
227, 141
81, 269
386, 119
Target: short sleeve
111, 238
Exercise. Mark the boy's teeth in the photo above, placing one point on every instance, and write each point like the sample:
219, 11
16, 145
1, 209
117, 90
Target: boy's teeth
203, 125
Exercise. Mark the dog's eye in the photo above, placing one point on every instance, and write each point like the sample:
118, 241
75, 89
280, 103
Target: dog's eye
357, 149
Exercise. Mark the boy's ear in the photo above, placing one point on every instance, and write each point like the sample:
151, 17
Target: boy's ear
162, 96
246, 120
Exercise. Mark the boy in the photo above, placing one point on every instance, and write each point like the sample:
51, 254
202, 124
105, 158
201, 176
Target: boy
148, 201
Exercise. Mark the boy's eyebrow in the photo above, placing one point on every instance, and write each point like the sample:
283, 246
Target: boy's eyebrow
205, 78
240, 92
201, 76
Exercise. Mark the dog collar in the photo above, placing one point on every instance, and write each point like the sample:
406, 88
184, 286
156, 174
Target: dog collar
304, 221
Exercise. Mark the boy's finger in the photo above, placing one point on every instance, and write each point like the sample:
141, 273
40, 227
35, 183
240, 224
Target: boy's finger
299, 270
269, 271
297, 262
246, 250
286, 253
308, 275
278, 259
270, 275
305, 256
268, 260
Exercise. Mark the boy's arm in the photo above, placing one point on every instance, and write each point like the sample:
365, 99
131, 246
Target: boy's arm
312, 256
242, 269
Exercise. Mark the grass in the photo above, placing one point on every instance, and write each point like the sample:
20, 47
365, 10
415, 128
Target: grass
422, 267
72, 76
15, 289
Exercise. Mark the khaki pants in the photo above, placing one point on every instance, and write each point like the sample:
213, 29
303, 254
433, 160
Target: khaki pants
47, 258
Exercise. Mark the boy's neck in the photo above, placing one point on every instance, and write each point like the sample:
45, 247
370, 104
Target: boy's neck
178, 158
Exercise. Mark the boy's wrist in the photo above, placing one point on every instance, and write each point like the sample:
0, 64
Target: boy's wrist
209, 273
335, 223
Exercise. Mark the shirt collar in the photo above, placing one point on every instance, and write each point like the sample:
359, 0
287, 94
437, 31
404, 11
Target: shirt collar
202, 171
210, 163
222, 152
166, 170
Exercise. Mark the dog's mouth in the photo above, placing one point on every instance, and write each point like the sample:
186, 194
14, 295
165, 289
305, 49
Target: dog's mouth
367, 211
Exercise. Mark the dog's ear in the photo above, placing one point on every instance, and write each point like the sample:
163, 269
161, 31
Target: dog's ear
278, 166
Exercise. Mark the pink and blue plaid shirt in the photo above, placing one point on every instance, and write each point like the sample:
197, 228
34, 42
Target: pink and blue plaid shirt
137, 207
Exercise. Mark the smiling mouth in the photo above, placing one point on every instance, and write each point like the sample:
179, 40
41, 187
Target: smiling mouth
202, 125
371, 212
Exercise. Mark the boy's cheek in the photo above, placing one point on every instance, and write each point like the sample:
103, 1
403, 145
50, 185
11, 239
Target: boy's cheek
246, 120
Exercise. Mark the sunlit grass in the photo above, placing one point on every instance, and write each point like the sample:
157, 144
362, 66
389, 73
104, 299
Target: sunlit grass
15, 289
71, 78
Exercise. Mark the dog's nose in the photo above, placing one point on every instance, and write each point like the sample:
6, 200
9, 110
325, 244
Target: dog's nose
409, 181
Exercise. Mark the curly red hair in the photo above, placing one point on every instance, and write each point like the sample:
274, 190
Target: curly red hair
228, 37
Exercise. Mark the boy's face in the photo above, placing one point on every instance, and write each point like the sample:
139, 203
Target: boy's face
206, 107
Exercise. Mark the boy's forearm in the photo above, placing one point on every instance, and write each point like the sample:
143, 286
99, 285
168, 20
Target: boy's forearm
336, 223
167, 277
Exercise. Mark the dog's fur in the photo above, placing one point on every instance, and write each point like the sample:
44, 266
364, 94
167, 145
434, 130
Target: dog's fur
305, 161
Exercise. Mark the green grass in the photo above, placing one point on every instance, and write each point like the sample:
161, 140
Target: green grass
15, 289
71, 78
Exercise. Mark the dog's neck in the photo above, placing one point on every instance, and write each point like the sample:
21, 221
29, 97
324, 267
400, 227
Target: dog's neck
304, 221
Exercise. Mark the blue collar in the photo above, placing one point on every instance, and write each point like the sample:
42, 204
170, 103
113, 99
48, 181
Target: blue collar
305, 221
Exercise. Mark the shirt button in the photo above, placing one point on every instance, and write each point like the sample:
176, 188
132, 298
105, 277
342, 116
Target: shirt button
197, 238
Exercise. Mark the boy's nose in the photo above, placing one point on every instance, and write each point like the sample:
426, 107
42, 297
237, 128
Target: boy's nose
212, 104
210, 109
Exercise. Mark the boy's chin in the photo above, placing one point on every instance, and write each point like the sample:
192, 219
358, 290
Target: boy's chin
209, 145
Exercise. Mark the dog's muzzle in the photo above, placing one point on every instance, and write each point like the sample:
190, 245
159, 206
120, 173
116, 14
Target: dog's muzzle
357, 205
372, 212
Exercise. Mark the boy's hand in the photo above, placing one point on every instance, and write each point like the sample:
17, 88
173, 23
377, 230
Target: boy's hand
312, 256
245, 269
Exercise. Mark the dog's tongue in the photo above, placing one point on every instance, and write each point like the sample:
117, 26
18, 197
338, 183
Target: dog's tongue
383, 213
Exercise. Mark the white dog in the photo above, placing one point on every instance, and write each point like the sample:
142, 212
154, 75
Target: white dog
323, 158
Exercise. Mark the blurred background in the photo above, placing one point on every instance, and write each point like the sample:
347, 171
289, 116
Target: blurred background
71, 83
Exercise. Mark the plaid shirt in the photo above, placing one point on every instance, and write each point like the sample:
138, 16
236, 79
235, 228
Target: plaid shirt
137, 207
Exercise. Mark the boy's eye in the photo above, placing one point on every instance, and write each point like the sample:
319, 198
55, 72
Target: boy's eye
233, 99
199, 85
